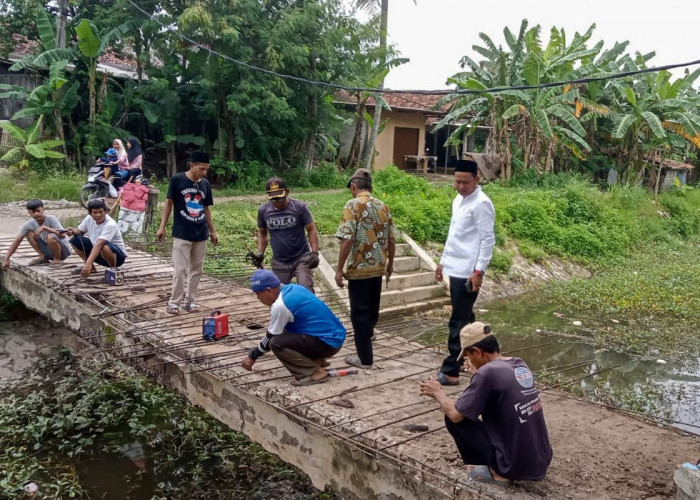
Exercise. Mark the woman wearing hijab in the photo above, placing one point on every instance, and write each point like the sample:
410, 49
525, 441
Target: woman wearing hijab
134, 158
122, 159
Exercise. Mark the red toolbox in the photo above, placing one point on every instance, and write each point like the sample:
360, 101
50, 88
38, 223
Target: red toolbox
215, 326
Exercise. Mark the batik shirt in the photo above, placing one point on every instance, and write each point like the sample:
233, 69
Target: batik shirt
368, 223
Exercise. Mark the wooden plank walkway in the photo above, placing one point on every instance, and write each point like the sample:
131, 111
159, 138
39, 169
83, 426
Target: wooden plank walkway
379, 412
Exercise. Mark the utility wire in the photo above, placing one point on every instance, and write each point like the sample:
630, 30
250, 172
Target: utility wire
452, 92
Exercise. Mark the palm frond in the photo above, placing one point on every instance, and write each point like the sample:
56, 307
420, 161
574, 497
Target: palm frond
44, 26
565, 115
513, 111
622, 125
543, 122
654, 124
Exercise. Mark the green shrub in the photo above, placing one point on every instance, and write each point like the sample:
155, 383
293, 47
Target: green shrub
325, 175
531, 251
392, 181
249, 175
501, 261
685, 219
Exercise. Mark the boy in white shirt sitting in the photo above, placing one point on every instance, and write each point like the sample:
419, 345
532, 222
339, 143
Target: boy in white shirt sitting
104, 244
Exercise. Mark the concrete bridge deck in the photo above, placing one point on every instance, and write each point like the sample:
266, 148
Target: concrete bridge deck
368, 435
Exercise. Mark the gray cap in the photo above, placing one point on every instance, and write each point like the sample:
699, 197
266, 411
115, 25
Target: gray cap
360, 173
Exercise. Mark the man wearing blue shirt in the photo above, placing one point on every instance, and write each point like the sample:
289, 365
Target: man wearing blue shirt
302, 332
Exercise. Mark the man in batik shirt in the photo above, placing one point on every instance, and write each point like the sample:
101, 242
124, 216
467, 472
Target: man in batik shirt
367, 244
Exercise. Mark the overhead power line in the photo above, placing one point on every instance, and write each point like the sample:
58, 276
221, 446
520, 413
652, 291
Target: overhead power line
337, 86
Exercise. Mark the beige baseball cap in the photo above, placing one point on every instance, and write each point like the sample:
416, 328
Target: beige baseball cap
473, 333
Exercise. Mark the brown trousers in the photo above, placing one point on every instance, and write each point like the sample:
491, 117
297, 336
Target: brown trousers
300, 353
299, 268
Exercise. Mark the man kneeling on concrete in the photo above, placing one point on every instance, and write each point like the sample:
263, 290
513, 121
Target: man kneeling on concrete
44, 233
510, 442
302, 332
104, 244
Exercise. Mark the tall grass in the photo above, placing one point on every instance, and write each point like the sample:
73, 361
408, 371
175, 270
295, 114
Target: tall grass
52, 186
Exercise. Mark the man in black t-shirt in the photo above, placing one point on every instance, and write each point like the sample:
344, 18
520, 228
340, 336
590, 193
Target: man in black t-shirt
189, 195
510, 442
286, 220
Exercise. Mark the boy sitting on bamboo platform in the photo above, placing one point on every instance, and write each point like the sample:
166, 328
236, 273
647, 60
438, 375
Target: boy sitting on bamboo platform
104, 244
44, 233
302, 332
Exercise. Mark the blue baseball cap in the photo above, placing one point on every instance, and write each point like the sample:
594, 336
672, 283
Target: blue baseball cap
111, 152
263, 279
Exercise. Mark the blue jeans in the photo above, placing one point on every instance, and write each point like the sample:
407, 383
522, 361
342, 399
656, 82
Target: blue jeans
83, 244
130, 172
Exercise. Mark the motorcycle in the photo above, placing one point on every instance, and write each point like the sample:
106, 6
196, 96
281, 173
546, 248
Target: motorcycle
98, 185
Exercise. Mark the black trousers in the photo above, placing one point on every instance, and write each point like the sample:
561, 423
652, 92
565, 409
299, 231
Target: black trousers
462, 314
364, 312
472, 442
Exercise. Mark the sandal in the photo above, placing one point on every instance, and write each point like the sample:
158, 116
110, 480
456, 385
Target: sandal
38, 262
172, 309
482, 474
355, 361
190, 307
444, 380
309, 380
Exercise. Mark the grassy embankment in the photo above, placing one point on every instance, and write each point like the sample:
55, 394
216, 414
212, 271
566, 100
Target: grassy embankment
643, 252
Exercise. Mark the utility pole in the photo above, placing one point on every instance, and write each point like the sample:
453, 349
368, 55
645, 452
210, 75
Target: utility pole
383, 27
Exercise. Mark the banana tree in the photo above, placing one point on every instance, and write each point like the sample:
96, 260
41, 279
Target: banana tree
30, 144
499, 68
52, 98
646, 114
90, 47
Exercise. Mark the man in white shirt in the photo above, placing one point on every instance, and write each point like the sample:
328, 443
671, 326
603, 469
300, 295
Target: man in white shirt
464, 260
104, 244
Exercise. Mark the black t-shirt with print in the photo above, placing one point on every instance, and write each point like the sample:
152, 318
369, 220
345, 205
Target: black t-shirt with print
503, 392
189, 199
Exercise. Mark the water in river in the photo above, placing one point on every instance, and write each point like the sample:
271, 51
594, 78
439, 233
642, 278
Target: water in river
548, 339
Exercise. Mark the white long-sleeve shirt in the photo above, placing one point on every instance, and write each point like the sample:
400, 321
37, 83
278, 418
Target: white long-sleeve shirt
470, 240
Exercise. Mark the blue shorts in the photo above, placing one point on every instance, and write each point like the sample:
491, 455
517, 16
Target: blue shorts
46, 250
84, 244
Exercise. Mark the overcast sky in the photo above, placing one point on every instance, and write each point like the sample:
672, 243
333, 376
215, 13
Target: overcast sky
435, 34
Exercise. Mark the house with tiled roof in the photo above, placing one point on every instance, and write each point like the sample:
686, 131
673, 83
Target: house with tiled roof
408, 130
111, 63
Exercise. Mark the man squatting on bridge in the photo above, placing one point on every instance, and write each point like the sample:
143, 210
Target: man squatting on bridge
510, 442
44, 233
466, 256
189, 194
285, 219
302, 331
367, 242
103, 245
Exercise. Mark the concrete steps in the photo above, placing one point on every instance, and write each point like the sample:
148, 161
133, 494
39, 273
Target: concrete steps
412, 286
